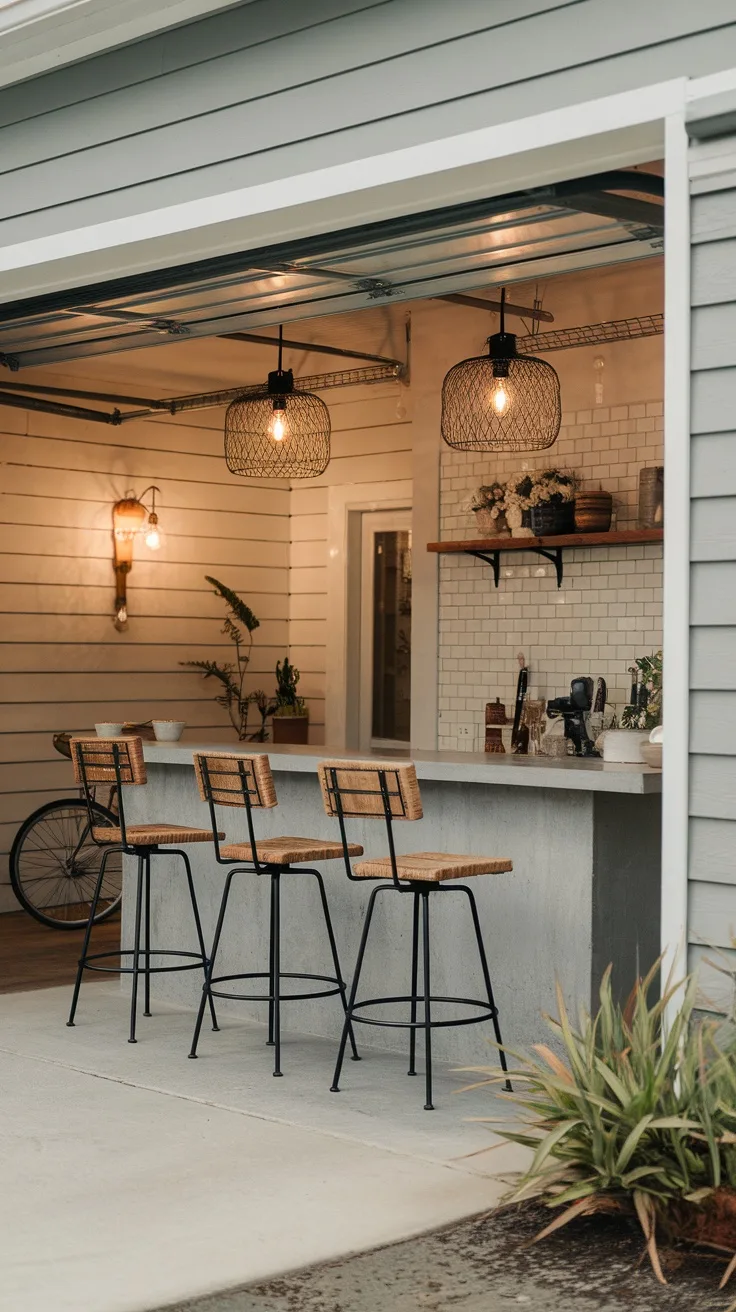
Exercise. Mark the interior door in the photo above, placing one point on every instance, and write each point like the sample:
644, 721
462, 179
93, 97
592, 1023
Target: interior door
385, 675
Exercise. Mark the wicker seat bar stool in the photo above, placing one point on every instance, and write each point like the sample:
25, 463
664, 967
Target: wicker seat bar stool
119, 762
390, 792
228, 779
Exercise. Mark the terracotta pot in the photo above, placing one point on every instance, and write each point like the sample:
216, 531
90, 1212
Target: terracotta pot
290, 728
593, 512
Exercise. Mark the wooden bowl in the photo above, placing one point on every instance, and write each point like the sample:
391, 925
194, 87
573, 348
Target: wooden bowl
593, 512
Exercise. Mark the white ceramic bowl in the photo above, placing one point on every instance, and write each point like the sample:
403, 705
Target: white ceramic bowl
168, 731
107, 730
624, 745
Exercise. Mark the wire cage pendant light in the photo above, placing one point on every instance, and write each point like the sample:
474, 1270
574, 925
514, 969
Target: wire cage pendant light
278, 431
502, 401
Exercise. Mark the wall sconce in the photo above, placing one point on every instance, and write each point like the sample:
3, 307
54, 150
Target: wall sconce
129, 518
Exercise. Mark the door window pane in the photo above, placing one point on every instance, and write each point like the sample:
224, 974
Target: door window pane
392, 635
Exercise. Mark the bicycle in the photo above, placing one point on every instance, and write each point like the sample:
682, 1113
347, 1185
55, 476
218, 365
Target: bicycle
54, 861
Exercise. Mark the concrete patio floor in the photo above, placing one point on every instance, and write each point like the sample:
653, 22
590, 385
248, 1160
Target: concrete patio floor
134, 1177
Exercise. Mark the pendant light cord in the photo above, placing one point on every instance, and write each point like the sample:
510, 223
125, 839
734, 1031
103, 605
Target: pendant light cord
503, 303
281, 344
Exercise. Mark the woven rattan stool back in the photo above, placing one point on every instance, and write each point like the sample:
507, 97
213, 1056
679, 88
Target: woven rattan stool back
108, 761
227, 779
113, 761
370, 789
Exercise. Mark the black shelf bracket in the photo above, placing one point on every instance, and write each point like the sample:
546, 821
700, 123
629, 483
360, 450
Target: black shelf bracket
555, 555
493, 558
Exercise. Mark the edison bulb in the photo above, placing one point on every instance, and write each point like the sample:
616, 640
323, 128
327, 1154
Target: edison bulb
500, 399
153, 538
278, 427
121, 615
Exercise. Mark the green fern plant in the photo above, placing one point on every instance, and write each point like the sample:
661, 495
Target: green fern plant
627, 1117
239, 626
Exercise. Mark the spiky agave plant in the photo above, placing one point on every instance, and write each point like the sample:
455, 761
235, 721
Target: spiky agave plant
631, 1118
239, 625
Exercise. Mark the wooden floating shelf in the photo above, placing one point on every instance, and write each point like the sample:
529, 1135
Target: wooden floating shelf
551, 548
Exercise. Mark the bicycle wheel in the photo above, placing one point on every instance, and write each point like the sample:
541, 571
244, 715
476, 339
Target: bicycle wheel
54, 865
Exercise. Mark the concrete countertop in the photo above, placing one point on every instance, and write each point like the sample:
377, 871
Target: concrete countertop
594, 776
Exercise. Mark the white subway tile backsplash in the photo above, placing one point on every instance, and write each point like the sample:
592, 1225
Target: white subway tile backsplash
609, 609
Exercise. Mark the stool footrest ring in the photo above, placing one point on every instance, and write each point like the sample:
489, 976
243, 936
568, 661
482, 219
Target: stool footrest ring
195, 961
284, 997
487, 1012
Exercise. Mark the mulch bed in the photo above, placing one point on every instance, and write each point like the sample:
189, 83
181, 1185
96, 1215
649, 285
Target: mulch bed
485, 1264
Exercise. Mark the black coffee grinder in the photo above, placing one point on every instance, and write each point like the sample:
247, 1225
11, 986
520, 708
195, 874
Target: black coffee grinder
573, 709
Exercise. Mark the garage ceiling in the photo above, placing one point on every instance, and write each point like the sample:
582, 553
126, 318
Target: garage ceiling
580, 224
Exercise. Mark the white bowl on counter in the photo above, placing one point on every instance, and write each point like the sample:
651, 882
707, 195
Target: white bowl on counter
168, 731
624, 745
108, 730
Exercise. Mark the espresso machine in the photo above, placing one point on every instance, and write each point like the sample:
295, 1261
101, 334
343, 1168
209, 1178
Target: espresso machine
574, 710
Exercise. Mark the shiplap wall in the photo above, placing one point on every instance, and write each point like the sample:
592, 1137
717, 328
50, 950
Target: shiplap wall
712, 868
278, 87
62, 663
371, 443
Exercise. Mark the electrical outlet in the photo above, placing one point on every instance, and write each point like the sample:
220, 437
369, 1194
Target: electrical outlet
466, 735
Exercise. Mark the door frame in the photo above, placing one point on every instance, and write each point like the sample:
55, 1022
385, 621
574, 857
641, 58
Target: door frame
345, 508
378, 521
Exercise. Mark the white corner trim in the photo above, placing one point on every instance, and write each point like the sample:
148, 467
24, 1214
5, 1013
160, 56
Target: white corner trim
340, 501
715, 84
538, 132
676, 594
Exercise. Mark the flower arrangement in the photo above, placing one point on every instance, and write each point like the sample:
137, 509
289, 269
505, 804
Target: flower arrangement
527, 489
503, 506
489, 497
646, 712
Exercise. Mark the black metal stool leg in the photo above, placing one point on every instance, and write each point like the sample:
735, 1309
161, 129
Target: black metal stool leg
335, 1086
428, 1105
271, 940
335, 959
210, 968
87, 936
487, 979
136, 947
276, 977
414, 978
198, 927
147, 952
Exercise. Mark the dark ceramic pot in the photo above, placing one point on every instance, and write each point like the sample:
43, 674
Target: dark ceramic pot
553, 518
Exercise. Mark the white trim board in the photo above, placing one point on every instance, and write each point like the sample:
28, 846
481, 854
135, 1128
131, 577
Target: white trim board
600, 134
676, 593
37, 36
341, 501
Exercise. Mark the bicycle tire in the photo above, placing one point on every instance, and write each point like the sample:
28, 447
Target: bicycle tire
71, 867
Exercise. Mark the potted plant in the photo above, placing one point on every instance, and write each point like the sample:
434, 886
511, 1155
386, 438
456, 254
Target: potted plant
487, 504
290, 714
626, 1116
240, 624
540, 503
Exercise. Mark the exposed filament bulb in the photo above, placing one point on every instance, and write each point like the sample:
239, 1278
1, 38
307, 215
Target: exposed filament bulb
278, 427
500, 399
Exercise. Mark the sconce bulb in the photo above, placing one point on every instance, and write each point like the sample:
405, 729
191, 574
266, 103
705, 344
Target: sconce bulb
153, 537
122, 615
278, 427
500, 399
